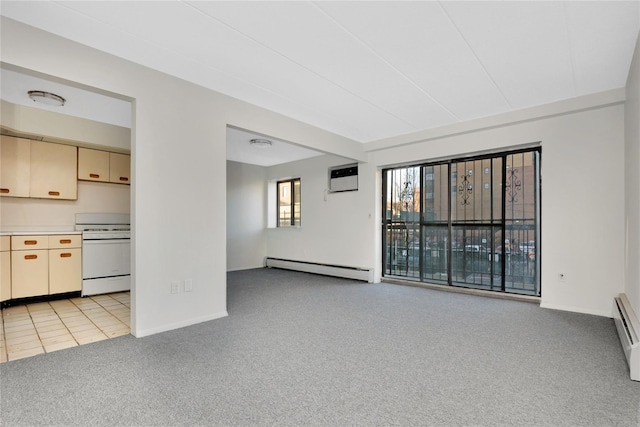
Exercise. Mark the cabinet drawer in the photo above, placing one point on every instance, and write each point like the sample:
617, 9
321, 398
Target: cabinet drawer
5, 243
65, 241
29, 242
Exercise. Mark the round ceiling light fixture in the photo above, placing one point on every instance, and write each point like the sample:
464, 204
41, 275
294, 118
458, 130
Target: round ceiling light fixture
261, 143
46, 98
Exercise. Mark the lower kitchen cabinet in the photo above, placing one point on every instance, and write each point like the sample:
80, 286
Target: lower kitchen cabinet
65, 270
43, 265
29, 273
5, 268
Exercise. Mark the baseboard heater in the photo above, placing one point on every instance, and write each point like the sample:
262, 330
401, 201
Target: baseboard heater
628, 328
324, 269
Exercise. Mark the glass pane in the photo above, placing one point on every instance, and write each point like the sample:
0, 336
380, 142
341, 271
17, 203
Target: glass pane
520, 268
473, 184
296, 203
471, 256
520, 187
436, 195
497, 188
435, 253
403, 222
284, 204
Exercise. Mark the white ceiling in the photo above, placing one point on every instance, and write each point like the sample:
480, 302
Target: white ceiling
82, 103
239, 149
365, 70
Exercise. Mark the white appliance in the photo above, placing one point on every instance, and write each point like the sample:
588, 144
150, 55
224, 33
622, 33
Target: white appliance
106, 252
343, 178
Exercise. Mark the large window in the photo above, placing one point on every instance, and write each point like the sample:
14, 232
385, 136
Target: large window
470, 222
289, 203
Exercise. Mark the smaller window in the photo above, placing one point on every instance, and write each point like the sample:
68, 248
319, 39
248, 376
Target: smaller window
289, 203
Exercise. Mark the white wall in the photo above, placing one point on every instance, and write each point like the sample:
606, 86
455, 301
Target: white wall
178, 170
337, 228
63, 128
246, 216
632, 181
582, 198
23, 214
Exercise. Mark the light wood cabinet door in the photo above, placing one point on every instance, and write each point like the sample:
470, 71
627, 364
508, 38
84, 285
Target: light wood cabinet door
93, 165
54, 171
5, 276
65, 270
5, 269
29, 273
5, 243
15, 164
120, 168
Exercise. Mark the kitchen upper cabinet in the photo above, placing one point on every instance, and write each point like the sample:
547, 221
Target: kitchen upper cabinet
120, 168
5, 268
103, 166
15, 164
93, 165
54, 173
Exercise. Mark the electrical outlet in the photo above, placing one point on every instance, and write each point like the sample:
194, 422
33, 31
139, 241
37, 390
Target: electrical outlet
175, 286
188, 285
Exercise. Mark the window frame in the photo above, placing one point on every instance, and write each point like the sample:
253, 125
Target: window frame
295, 213
395, 229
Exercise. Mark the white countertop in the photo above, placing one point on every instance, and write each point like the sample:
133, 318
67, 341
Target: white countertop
38, 233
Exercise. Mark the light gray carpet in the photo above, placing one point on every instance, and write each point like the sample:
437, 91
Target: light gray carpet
299, 349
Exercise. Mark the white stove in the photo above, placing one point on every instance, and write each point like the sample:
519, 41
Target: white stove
96, 226
105, 233
106, 256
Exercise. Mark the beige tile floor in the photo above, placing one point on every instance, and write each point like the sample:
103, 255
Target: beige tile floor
27, 330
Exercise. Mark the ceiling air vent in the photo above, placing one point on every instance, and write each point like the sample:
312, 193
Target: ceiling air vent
343, 178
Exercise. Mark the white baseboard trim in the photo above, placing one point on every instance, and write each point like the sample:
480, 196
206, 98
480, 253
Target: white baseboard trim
603, 313
357, 273
178, 325
248, 267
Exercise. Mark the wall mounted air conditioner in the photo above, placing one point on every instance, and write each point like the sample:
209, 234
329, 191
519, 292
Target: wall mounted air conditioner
343, 178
